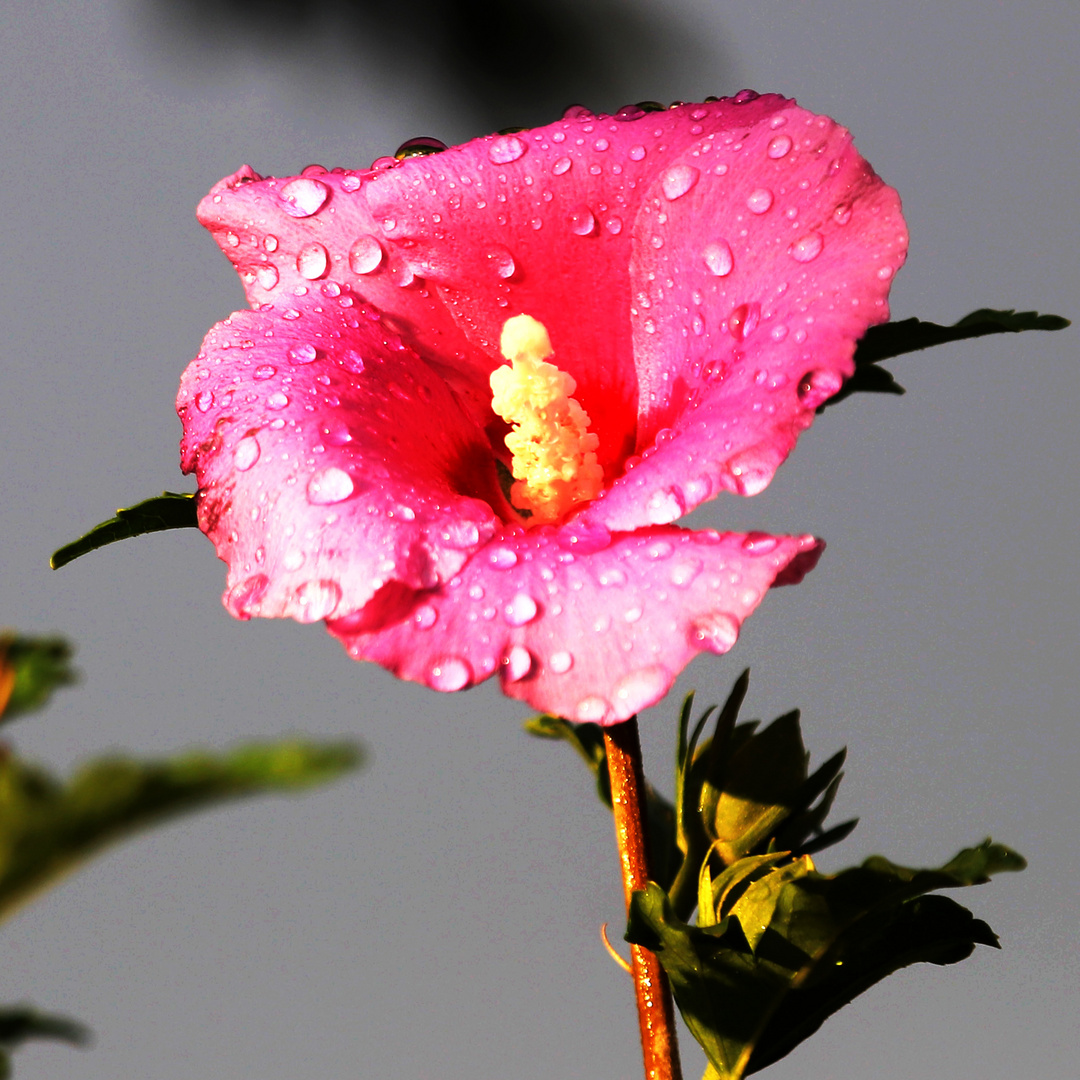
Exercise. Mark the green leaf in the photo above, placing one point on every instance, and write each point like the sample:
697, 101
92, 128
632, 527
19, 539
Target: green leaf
30, 670
912, 335
18, 1023
798, 945
47, 827
169, 510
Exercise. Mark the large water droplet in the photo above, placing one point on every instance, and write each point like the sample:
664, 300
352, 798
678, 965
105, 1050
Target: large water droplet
716, 632
313, 261
759, 543
303, 354
244, 596
759, 200
246, 453
561, 662
365, 255
330, 485
522, 609
561, 166
807, 247
267, 275
277, 400
303, 196
501, 261
779, 146
665, 506
678, 180
425, 617
613, 575
718, 258
506, 148
419, 147
581, 221
518, 663
264, 371
584, 537
592, 709
743, 320
636, 153
463, 535
684, 572
449, 674
502, 558
317, 600
640, 689
614, 225
204, 400
816, 387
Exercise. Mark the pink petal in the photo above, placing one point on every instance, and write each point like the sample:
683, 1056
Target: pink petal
596, 635
331, 460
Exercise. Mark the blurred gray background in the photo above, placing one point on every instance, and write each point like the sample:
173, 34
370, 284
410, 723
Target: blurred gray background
436, 916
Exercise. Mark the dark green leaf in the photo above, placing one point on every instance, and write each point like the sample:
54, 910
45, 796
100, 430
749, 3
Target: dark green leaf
168, 510
47, 826
18, 1023
30, 670
911, 335
818, 941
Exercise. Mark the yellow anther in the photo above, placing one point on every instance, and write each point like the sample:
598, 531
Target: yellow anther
554, 463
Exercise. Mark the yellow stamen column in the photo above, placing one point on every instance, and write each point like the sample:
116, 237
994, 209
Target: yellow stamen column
554, 460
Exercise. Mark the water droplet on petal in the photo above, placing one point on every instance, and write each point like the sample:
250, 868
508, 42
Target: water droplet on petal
684, 571
246, 453
636, 153
842, 214
716, 632
678, 180
518, 663
665, 506
449, 674
463, 535
581, 221
718, 258
246, 595
293, 560
313, 261
779, 146
759, 200
640, 689
807, 247
204, 400
561, 662
264, 371
502, 558
884, 273
425, 617
816, 387
584, 537
613, 225
743, 320
750, 473
350, 183
270, 242
613, 575
303, 354
502, 262
277, 400
304, 196
317, 600
592, 709
561, 166
506, 148
759, 543
365, 255
521, 610
330, 485
267, 276
659, 549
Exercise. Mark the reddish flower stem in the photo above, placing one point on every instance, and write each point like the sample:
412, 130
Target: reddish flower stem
656, 1014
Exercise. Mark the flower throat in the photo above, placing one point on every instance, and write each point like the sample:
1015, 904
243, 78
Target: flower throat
554, 461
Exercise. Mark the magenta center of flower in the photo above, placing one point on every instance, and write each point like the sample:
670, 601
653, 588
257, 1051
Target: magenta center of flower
554, 453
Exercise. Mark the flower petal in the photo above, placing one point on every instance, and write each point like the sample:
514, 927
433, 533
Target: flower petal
754, 284
331, 460
594, 634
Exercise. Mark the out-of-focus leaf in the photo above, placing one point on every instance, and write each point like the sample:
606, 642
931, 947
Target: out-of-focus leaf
48, 826
798, 945
19, 1023
911, 335
30, 670
169, 510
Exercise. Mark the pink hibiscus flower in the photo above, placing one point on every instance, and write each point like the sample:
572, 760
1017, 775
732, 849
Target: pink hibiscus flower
677, 292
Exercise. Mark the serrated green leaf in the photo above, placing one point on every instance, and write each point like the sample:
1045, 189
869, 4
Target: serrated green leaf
891, 339
30, 670
750, 993
47, 826
169, 510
